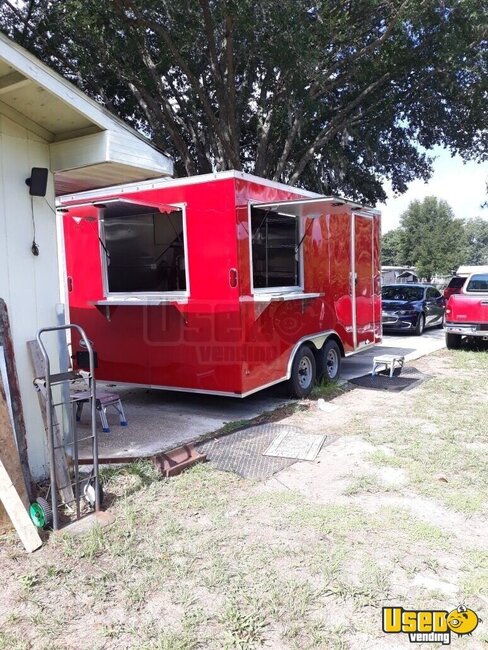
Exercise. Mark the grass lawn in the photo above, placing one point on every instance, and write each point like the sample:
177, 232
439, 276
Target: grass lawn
394, 512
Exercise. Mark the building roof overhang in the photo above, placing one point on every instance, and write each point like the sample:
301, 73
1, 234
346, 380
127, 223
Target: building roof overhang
90, 147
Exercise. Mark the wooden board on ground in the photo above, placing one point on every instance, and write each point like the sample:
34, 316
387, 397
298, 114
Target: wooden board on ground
14, 395
61, 461
18, 514
9, 457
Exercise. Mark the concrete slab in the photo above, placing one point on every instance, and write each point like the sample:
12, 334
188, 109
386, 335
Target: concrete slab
411, 347
159, 421
162, 420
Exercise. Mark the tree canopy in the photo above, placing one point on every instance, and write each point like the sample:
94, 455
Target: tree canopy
476, 232
429, 238
391, 248
334, 95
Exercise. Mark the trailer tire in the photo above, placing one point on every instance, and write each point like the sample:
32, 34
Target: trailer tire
453, 341
303, 373
329, 361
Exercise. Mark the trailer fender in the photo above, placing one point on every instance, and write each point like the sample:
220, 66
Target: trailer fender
315, 342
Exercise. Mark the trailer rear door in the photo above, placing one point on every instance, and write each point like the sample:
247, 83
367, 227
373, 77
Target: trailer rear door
363, 272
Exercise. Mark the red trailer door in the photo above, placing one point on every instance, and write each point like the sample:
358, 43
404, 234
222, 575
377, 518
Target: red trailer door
363, 286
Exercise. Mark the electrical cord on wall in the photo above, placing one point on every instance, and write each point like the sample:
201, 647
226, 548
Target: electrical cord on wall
34, 247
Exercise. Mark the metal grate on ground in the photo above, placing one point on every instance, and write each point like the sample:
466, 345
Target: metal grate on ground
242, 452
300, 446
409, 378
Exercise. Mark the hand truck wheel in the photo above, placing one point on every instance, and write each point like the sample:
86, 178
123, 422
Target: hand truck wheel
89, 493
41, 513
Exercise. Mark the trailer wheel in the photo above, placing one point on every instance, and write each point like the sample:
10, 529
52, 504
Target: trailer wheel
453, 341
303, 371
329, 361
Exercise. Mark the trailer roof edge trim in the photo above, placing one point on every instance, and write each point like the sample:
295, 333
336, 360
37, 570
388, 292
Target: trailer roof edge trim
161, 183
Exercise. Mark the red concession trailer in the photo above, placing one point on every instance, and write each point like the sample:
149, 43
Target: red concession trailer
222, 283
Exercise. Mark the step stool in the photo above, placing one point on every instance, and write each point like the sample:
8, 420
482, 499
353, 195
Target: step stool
103, 401
390, 362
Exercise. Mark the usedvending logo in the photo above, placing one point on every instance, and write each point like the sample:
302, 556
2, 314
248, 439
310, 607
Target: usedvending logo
430, 626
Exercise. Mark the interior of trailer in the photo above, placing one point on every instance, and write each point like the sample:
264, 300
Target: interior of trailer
144, 249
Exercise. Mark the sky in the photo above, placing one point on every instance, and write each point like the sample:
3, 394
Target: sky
462, 185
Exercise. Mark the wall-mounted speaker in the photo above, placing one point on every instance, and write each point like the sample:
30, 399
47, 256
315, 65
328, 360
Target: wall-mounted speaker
38, 181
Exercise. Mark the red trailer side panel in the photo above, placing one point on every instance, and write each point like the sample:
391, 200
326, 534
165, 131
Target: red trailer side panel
224, 336
184, 345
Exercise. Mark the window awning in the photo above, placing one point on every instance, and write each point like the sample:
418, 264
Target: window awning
307, 208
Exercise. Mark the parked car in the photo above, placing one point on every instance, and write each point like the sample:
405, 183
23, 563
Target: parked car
467, 312
411, 307
456, 283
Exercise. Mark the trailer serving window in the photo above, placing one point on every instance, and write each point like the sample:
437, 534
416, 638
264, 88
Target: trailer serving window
275, 249
144, 248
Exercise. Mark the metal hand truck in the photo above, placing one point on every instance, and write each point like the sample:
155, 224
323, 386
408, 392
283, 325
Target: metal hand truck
87, 487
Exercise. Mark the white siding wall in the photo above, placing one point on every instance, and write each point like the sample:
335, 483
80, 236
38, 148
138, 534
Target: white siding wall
29, 285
